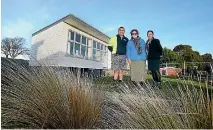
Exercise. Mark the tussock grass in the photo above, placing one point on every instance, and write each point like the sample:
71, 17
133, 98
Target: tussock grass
46, 98
182, 107
42, 97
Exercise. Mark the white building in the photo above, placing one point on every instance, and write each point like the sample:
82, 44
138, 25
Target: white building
70, 42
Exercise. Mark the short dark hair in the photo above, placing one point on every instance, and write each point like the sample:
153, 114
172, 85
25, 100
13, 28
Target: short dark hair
134, 30
150, 31
120, 28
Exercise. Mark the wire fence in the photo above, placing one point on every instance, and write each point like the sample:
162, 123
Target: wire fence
198, 71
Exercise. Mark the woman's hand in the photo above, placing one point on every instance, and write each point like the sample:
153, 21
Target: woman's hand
129, 61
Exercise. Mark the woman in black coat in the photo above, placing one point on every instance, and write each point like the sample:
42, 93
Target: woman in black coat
154, 53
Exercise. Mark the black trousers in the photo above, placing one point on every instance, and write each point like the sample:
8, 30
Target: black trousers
156, 75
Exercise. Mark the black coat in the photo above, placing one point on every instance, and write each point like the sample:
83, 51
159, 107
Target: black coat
155, 50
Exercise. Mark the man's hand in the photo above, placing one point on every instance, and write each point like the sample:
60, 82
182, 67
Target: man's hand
110, 48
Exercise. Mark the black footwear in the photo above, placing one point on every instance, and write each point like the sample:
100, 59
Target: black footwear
153, 84
141, 83
159, 85
134, 83
120, 81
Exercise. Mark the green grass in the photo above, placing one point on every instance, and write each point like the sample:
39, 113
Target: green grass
107, 83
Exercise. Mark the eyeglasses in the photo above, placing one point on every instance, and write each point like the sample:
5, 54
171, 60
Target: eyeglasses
134, 33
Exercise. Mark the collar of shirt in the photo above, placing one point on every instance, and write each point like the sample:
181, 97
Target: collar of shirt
122, 37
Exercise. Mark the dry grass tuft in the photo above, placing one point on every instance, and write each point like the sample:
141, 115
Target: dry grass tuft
46, 98
55, 98
153, 108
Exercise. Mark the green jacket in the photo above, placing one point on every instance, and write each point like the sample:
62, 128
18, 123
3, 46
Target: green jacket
116, 42
113, 43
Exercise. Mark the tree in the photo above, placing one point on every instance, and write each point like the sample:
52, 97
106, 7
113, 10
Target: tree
13, 46
181, 49
6, 46
207, 57
188, 55
170, 56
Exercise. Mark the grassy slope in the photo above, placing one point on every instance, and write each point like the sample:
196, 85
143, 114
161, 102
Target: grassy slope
106, 82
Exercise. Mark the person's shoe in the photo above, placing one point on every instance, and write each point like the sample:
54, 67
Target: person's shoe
153, 84
159, 85
134, 83
120, 81
141, 83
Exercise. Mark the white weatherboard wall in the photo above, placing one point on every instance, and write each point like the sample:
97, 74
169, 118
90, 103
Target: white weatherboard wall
50, 47
47, 43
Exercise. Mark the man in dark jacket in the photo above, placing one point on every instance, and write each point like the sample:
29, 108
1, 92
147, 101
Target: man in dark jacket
154, 53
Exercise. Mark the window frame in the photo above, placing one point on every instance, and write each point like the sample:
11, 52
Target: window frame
99, 50
75, 42
102, 49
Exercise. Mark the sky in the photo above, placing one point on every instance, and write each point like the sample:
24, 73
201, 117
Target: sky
173, 21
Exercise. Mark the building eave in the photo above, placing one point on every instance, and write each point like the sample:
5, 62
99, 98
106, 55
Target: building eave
71, 18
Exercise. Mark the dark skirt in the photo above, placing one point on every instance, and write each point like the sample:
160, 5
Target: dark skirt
153, 64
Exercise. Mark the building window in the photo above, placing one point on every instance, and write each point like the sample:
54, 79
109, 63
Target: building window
83, 51
103, 55
102, 47
72, 36
77, 49
71, 47
84, 40
98, 46
82, 46
98, 51
89, 49
94, 54
98, 55
94, 50
94, 44
78, 45
78, 37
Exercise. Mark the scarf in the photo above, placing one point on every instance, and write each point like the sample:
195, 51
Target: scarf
147, 46
137, 45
